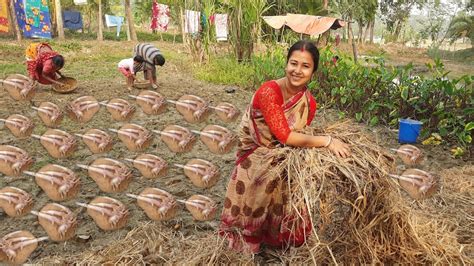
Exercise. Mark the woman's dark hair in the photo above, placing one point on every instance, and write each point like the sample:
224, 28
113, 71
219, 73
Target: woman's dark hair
304, 45
138, 58
58, 61
159, 60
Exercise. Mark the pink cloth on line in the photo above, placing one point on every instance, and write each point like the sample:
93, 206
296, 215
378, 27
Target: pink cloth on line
160, 17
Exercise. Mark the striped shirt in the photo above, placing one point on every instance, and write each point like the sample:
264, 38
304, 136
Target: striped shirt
148, 52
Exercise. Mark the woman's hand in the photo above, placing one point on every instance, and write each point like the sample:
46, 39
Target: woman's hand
339, 148
60, 74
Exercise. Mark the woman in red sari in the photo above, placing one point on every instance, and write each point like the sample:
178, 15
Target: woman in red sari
43, 64
255, 208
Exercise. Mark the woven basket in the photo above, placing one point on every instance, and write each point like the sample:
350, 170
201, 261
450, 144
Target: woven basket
70, 84
142, 84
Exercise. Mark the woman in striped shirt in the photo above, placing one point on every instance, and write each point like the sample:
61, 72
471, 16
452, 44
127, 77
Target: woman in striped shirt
151, 57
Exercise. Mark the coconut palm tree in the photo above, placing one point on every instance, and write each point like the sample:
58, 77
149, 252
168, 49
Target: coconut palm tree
462, 26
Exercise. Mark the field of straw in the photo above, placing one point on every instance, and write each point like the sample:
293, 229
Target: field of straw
359, 214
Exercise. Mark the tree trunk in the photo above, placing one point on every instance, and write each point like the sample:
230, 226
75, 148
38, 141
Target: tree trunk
354, 46
361, 29
59, 19
131, 24
372, 25
15, 27
367, 29
100, 34
349, 30
398, 28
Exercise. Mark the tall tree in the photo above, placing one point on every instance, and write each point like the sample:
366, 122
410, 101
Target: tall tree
59, 19
131, 24
395, 13
462, 26
100, 34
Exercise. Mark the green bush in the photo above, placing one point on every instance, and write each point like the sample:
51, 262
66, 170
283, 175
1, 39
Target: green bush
382, 95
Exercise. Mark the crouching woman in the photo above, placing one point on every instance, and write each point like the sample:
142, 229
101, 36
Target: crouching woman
256, 209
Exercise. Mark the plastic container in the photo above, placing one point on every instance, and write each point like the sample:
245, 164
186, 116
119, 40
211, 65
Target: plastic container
409, 130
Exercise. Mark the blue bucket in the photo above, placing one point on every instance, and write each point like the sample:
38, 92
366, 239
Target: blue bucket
409, 130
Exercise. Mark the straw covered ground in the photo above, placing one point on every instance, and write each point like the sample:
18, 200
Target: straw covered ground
359, 215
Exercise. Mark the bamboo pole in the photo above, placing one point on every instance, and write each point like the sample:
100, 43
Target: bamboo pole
59, 19
17, 30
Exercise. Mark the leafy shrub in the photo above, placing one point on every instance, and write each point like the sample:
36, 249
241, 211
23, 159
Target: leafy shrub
381, 94
269, 65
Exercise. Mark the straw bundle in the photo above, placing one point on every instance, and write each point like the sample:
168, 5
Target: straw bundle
357, 214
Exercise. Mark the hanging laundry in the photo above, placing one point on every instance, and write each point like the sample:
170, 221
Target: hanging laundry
28, 25
80, 2
154, 15
114, 21
32, 12
3, 16
72, 20
163, 17
221, 27
191, 21
203, 21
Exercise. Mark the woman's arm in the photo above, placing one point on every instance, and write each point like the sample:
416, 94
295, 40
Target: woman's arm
269, 102
60, 74
338, 147
51, 80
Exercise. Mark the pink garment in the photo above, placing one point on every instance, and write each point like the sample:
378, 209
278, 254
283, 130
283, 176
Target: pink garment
154, 15
160, 17
126, 72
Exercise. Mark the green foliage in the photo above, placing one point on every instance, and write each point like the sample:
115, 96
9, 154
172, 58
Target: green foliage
383, 95
225, 70
261, 67
395, 13
462, 26
465, 55
245, 24
112, 36
375, 95
268, 65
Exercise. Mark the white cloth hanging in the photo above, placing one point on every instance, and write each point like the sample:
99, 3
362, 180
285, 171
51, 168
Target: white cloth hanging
221, 27
191, 21
80, 2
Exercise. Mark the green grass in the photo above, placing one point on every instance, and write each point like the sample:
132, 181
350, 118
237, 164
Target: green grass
111, 35
225, 70
13, 68
464, 56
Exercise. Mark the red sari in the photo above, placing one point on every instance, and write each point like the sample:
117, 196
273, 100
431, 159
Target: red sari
256, 208
39, 62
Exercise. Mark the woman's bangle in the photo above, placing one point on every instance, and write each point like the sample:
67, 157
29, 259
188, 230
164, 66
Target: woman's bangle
329, 142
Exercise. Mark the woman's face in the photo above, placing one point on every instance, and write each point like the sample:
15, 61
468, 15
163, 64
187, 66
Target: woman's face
299, 68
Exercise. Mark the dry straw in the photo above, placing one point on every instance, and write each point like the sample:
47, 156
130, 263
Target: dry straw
358, 215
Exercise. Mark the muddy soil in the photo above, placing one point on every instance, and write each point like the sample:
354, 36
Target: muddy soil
173, 83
